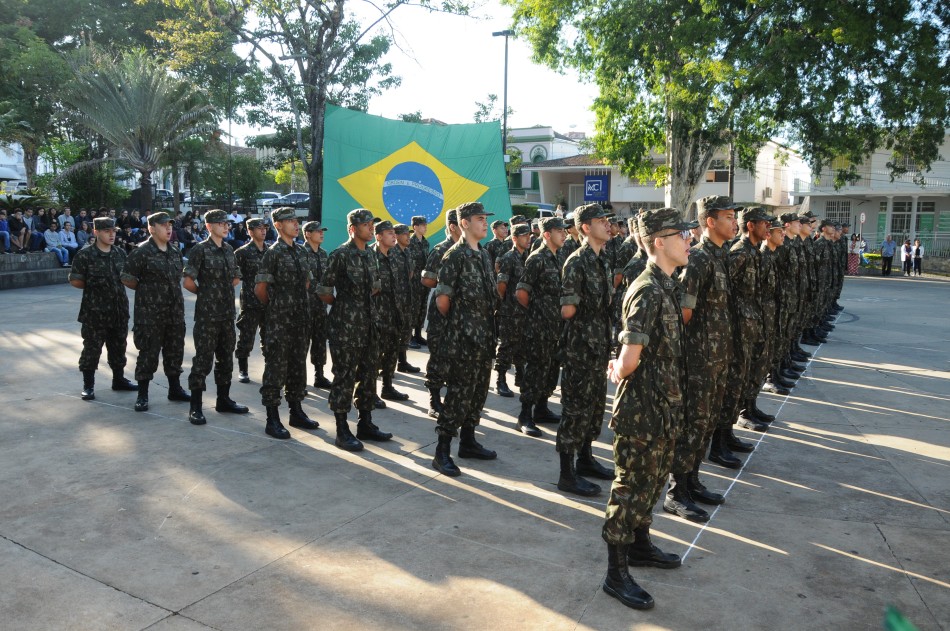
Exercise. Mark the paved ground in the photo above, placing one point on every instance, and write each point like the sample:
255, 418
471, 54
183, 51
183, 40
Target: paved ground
115, 520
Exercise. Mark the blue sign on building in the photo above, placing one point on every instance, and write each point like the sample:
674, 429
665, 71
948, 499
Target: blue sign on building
597, 188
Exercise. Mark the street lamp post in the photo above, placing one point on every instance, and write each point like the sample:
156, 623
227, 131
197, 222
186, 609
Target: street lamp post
504, 101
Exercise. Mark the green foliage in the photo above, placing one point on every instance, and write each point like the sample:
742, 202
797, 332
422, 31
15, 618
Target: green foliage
490, 110
92, 187
291, 176
11, 203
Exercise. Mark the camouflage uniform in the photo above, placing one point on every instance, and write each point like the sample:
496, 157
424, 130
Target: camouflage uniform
435, 369
251, 317
511, 322
788, 267
214, 268
286, 270
318, 310
392, 305
768, 299
353, 326
648, 407
634, 267
418, 254
542, 280
571, 245
159, 317
104, 311
495, 248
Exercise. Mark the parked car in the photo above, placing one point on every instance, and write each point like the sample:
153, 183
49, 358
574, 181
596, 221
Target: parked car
264, 196
295, 200
164, 196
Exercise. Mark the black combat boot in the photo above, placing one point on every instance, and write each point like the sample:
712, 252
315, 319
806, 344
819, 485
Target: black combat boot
779, 380
747, 421
378, 404
243, 377
319, 381
274, 427
366, 429
225, 405
299, 418
405, 366
699, 492
791, 375
792, 364
570, 482
391, 394
758, 414
588, 465
526, 423
543, 414
195, 415
435, 402
519, 375
88, 385
619, 583
732, 442
719, 453
679, 502
141, 401
175, 391
471, 448
774, 388
805, 355
443, 462
643, 552
501, 385
121, 384
421, 341
345, 439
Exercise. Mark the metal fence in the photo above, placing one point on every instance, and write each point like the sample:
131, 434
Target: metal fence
936, 244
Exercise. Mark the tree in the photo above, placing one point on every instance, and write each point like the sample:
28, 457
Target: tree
686, 78
92, 187
138, 108
490, 110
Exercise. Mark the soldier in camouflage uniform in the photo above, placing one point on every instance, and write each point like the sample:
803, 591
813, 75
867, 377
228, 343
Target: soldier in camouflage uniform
648, 411
795, 242
153, 271
349, 286
496, 246
281, 285
708, 349
251, 317
811, 335
104, 311
314, 235
586, 292
212, 273
435, 369
466, 297
539, 291
406, 286
392, 305
508, 243
788, 265
637, 263
419, 253
510, 267
573, 241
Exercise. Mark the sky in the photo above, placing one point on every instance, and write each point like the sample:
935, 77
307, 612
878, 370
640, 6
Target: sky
448, 63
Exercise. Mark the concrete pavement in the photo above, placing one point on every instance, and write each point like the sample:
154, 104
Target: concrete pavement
111, 519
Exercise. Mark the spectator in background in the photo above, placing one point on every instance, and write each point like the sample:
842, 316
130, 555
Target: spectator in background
82, 216
186, 238
35, 236
67, 218
19, 233
83, 234
918, 255
137, 223
124, 220
906, 257
55, 245
854, 255
4, 232
42, 219
888, 247
234, 217
70, 242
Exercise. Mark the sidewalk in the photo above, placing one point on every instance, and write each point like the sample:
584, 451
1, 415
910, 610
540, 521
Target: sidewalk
111, 519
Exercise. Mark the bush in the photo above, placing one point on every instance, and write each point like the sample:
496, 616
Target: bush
871, 256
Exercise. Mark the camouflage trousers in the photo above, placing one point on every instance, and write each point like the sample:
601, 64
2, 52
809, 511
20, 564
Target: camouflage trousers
704, 398
467, 388
285, 362
354, 376
510, 350
748, 348
248, 322
436, 369
542, 364
167, 338
391, 341
785, 335
115, 340
420, 303
214, 344
583, 401
641, 468
318, 340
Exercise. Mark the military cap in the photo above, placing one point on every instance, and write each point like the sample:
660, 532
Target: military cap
653, 221
498, 223
358, 216
158, 218
754, 213
569, 218
452, 216
216, 216
283, 213
522, 229
313, 226
614, 219
789, 217
470, 209
716, 202
254, 222
845, 224
632, 222
103, 223
588, 212
806, 214
826, 222
552, 223
776, 224
419, 220
518, 219
401, 228
383, 226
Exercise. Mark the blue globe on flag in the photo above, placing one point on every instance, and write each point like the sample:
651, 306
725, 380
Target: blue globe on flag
412, 188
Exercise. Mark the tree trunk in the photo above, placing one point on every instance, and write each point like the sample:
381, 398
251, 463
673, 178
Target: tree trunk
176, 189
315, 165
31, 156
145, 192
688, 156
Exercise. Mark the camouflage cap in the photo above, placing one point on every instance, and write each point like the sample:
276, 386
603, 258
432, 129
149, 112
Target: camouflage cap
653, 221
451, 217
826, 222
632, 223
216, 216
498, 223
158, 218
254, 222
716, 202
521, 230
358, 216
401, 228
518, 219
419, 220
283, 213
470, 209
588, 212
615, 219
806, 214
845, 224
313, 226
569, 218
754, 213
382, 226
789, 217
776, 224
103, 223
552, 223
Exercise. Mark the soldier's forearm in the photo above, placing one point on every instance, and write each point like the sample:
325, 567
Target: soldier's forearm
443, 303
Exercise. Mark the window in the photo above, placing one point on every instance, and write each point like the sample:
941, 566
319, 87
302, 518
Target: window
900, 219
635, 206
838, 210
538, 153
766, 193
718, 171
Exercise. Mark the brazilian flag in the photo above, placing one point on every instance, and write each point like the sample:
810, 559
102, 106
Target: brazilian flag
398, 170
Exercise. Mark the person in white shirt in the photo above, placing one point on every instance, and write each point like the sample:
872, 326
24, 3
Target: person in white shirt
918, 252
906, 257
55, 245
69, 240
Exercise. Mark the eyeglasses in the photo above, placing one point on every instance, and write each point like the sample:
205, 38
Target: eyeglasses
684, 234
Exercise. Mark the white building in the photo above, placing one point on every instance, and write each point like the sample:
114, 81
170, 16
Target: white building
537, 145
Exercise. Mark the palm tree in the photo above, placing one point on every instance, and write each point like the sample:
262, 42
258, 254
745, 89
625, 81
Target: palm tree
140, 109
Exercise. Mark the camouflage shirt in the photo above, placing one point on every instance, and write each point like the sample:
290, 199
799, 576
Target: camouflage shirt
625, 251
249, 259
418, 253
158, 296
634, 267
649, 402
467, 278
433, 265
542, 280
495, 249
705, 282
286, 270
392, 300
214, 269
571, 245
354, 274
587, 283
318, 264
788, 267
744, 268
510, 270
768, 280
104, 301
